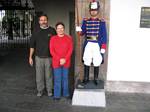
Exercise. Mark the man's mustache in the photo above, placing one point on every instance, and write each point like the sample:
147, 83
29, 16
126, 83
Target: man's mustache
44, 23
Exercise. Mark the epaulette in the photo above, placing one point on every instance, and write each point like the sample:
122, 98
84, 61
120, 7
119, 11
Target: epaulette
102, 20
85, 19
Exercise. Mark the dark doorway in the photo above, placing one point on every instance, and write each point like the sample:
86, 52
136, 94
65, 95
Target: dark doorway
16, 26
16, 76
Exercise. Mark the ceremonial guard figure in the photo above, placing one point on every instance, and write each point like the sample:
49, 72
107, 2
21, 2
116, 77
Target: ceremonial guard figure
94, 31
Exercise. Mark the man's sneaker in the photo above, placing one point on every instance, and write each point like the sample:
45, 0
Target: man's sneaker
49, 93
40, 93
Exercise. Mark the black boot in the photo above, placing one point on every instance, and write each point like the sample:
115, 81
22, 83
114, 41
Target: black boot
96, 72
86, 74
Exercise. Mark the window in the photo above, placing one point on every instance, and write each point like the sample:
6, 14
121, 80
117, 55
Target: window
2, 14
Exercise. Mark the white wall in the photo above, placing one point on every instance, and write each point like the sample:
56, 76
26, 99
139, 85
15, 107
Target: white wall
129, 45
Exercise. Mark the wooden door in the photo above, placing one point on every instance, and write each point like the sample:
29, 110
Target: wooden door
82, 11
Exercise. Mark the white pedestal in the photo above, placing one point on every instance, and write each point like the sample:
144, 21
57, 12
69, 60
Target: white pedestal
89, 97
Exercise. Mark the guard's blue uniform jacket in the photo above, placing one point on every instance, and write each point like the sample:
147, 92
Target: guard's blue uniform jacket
94, 28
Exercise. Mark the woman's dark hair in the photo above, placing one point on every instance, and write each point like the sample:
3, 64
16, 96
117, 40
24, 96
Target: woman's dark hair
59, 23
43, 15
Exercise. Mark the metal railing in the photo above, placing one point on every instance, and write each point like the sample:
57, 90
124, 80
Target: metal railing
15, 28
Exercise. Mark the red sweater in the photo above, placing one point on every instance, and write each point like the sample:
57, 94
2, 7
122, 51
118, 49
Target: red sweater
61, 47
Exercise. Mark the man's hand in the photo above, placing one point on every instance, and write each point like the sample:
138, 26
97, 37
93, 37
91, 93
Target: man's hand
62, 61
30, 61
78, 29
102, 51
30, 56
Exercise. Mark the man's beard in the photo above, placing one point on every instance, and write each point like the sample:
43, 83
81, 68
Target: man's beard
44, 26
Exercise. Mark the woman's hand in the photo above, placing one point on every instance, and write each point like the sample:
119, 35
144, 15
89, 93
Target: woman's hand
62, 61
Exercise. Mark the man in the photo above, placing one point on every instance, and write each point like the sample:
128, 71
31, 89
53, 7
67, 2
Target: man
39, 45
94, 31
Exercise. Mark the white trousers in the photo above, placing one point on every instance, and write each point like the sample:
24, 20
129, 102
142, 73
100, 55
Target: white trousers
92, 54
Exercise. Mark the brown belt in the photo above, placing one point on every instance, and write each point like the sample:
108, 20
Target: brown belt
92, 38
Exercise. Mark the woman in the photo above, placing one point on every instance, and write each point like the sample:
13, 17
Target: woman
61, 47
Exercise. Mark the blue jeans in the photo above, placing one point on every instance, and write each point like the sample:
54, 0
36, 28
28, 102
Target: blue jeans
61, 79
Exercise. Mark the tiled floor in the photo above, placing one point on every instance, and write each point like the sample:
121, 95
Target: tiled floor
18, 92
